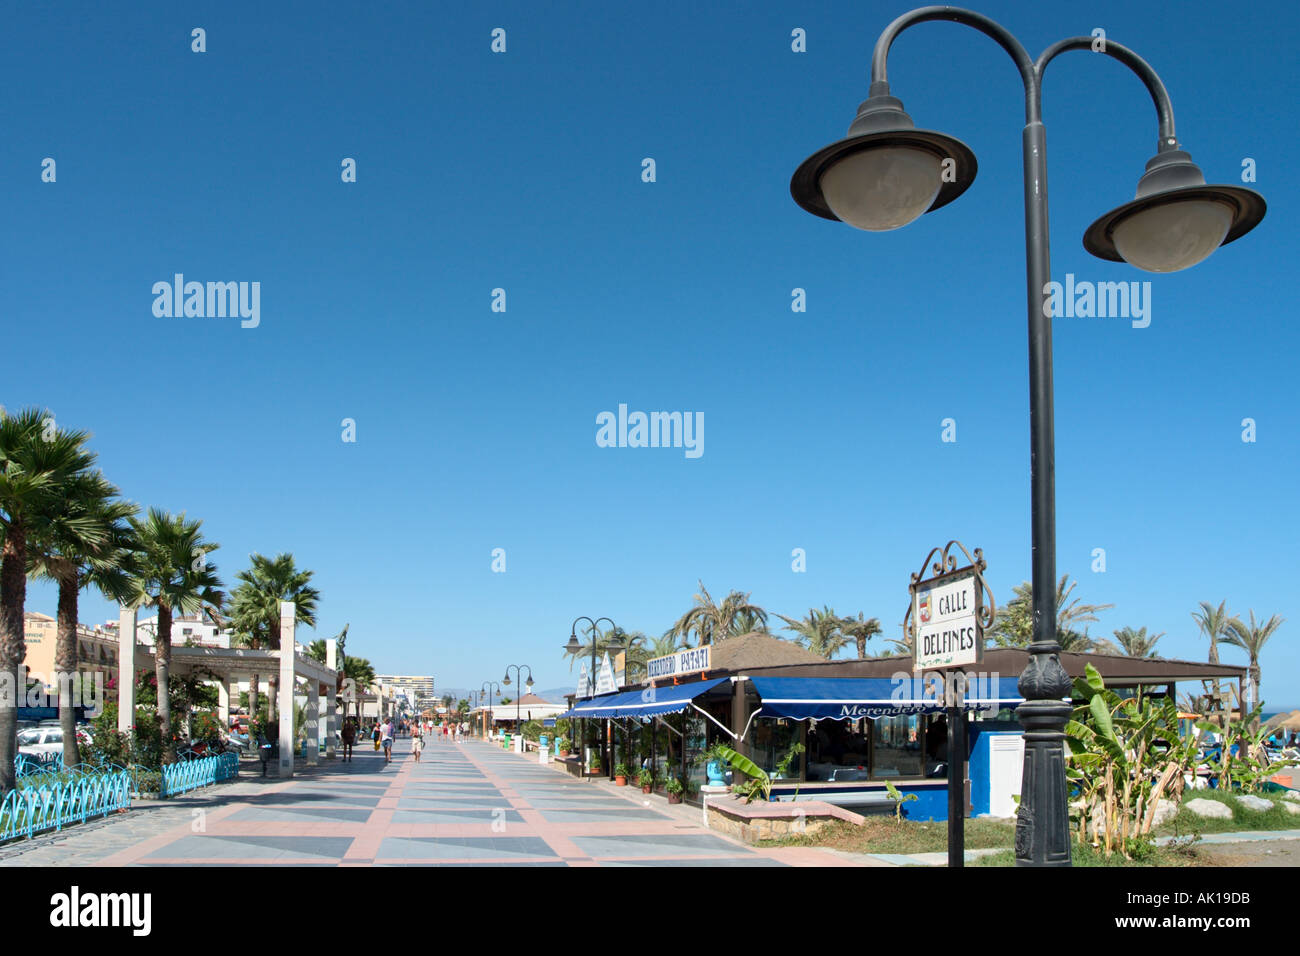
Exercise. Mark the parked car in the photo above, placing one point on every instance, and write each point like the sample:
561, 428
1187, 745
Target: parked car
36, 741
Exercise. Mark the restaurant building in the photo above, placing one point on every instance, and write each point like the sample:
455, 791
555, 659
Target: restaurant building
863, 723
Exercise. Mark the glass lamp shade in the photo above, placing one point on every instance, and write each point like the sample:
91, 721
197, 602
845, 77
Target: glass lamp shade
1172, 236
882, 188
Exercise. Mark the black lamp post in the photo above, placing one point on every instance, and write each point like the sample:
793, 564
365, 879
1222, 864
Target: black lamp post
886, 173
573, 647
489, 688
519, 727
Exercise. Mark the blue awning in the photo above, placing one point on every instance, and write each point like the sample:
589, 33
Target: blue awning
849, 698
650, 702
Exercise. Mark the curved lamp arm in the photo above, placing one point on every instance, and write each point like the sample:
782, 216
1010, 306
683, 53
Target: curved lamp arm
1159, 95
970, 18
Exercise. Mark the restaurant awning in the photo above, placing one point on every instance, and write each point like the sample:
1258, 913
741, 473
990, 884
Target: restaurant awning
849, 698
650, 702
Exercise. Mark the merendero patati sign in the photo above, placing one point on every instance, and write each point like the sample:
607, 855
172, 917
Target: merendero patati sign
690, 661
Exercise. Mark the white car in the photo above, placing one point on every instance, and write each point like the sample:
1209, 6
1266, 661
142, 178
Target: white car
39, 741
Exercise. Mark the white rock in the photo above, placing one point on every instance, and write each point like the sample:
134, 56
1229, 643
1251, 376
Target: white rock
1292, 795
1255, 803
1166, 810
1209, 808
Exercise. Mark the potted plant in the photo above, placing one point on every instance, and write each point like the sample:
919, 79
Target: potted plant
595, 769
675, 787
647, 780
620, 775
564, 747
716, 758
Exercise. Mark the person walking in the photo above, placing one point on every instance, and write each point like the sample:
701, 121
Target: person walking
349, 738
386, 738
417, 744
375, 734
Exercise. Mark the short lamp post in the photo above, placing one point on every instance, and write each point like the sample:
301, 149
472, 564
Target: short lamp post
490, 688
574, 647
519, 727
885, 173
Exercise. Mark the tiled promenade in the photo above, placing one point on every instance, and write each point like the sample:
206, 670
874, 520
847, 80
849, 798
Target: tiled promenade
467, 804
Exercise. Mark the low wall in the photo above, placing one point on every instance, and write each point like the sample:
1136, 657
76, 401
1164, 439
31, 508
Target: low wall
751, 822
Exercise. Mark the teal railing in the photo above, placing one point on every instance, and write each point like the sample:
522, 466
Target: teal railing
187, 775
52, 800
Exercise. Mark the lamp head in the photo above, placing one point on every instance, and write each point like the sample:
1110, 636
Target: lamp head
1175, 220
885, 172
573, 647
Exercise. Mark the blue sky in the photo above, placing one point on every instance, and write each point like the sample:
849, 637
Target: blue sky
476, 430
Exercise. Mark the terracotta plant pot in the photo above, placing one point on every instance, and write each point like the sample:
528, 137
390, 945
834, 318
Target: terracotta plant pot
620, 781
674, 798
564, 755
647, 789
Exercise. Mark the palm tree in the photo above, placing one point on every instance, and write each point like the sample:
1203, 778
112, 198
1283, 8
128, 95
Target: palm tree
35, 459
820, 632
1014, 625
1136, 643
361, 674
711, 622
1214, 624
170, 571
1251, 639
87, 543
861, 629
255, 609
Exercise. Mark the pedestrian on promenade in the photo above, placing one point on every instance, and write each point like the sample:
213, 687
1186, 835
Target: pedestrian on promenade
349, 738
417, 745
375, 735
387, 739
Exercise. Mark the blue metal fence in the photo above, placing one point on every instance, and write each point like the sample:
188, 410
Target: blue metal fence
71, 797
186, 775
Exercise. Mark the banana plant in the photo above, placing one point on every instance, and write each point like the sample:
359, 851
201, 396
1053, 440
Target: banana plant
757, 782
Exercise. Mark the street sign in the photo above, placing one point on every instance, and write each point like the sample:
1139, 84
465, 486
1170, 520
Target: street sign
947, 624
689, 661
948, 612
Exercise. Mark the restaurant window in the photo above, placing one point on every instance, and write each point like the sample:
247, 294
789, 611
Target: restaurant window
896, 744
771, 739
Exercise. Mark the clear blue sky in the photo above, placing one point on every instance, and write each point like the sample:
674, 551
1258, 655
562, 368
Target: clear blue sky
476, 430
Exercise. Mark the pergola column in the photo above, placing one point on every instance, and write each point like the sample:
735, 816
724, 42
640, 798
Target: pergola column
311, 722
223, 702
285, 704
331, 697
126, 621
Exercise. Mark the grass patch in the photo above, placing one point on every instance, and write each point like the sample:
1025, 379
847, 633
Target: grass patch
881, 834
1185, 822
1086, 856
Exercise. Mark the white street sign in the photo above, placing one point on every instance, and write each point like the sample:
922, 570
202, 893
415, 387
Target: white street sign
945, 614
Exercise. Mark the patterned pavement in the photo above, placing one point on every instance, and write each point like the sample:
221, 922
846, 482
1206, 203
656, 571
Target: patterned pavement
467, 804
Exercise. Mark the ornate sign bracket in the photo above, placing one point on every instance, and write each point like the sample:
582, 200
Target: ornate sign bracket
946, 566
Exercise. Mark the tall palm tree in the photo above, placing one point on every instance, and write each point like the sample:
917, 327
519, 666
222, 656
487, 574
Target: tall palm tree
35, 458
88, 543
819, 631
1136, 643
711, 622
170, 572
1251, 639
361, 673
1014, 625
255, 609
749, 622
861, 629
1214, 624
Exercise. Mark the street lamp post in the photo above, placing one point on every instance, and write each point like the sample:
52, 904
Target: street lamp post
490, 688
886, 173
573, 647
519, 727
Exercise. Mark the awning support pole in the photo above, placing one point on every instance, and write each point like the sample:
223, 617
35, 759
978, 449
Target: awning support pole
725, 728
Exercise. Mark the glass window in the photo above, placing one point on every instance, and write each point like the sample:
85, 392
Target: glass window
29, 737
896, 747
770, 739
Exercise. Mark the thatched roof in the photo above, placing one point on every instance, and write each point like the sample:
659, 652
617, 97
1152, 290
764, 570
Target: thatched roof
759, 650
